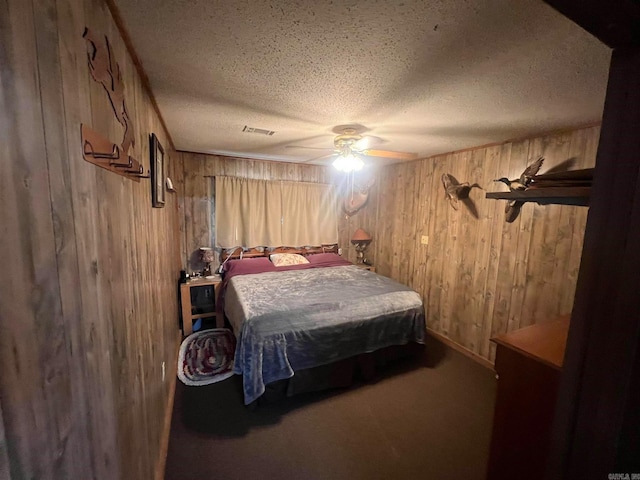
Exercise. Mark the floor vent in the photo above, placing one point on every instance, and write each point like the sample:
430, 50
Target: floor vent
260, 131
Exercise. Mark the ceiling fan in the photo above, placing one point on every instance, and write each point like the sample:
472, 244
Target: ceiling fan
349, 146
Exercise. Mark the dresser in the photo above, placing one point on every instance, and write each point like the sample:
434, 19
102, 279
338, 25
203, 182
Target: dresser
528, 366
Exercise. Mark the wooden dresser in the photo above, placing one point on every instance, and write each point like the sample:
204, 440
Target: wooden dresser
528, 365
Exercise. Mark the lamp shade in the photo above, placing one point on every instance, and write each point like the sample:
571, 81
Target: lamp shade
360, 236
207, 255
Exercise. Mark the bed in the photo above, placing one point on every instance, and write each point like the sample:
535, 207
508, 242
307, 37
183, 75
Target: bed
295, 318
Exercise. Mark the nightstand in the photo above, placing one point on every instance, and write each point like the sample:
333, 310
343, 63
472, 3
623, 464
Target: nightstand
198, 300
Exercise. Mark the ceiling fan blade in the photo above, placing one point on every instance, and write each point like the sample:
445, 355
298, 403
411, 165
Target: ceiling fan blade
310, 148
318, 158
366, 142
389, 154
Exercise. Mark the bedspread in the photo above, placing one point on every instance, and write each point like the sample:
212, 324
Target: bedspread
294, 320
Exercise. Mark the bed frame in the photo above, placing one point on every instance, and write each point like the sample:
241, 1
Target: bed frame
254, 252
364, 367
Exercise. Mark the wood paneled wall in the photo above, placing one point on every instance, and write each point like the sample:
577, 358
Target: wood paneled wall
481, 276
88, 304
478, 275
198, 225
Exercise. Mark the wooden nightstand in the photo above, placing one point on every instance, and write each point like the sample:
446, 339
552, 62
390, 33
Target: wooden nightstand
198, 300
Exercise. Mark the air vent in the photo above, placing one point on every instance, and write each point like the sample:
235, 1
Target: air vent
260, 131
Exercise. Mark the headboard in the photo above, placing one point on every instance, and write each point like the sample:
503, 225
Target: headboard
253, 252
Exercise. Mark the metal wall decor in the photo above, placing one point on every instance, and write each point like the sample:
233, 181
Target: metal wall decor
96, 148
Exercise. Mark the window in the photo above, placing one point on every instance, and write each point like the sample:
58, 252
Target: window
253, 213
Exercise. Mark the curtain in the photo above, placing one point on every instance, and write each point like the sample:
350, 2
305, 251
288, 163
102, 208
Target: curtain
253, 213
248, 212
309, 214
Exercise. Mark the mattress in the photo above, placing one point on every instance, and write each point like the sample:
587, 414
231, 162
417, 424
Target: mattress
287, 321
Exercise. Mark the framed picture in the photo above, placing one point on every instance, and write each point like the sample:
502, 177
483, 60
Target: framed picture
157, 172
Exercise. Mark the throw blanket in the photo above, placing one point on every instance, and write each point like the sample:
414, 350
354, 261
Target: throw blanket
294, 320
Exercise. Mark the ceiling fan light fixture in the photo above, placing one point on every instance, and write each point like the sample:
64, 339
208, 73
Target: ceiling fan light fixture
348, 162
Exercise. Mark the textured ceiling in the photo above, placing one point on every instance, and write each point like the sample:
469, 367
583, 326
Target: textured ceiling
418, 76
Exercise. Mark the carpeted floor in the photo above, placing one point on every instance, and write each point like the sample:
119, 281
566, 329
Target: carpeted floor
424, 418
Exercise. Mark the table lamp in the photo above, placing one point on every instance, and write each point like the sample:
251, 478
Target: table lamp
207, 257
361, 240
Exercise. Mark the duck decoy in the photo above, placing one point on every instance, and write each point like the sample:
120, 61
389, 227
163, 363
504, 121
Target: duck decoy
456, 191
512, 210
525, 179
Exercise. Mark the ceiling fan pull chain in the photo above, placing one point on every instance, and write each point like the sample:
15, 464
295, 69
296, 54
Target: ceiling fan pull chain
351, 175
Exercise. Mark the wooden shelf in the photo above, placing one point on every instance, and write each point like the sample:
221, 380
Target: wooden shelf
548, 195
571, 187
203, 315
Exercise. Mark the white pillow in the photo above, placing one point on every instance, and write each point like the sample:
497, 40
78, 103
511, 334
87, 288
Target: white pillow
283, 259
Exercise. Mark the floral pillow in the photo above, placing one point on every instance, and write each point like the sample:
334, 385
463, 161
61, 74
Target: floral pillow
284, 259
